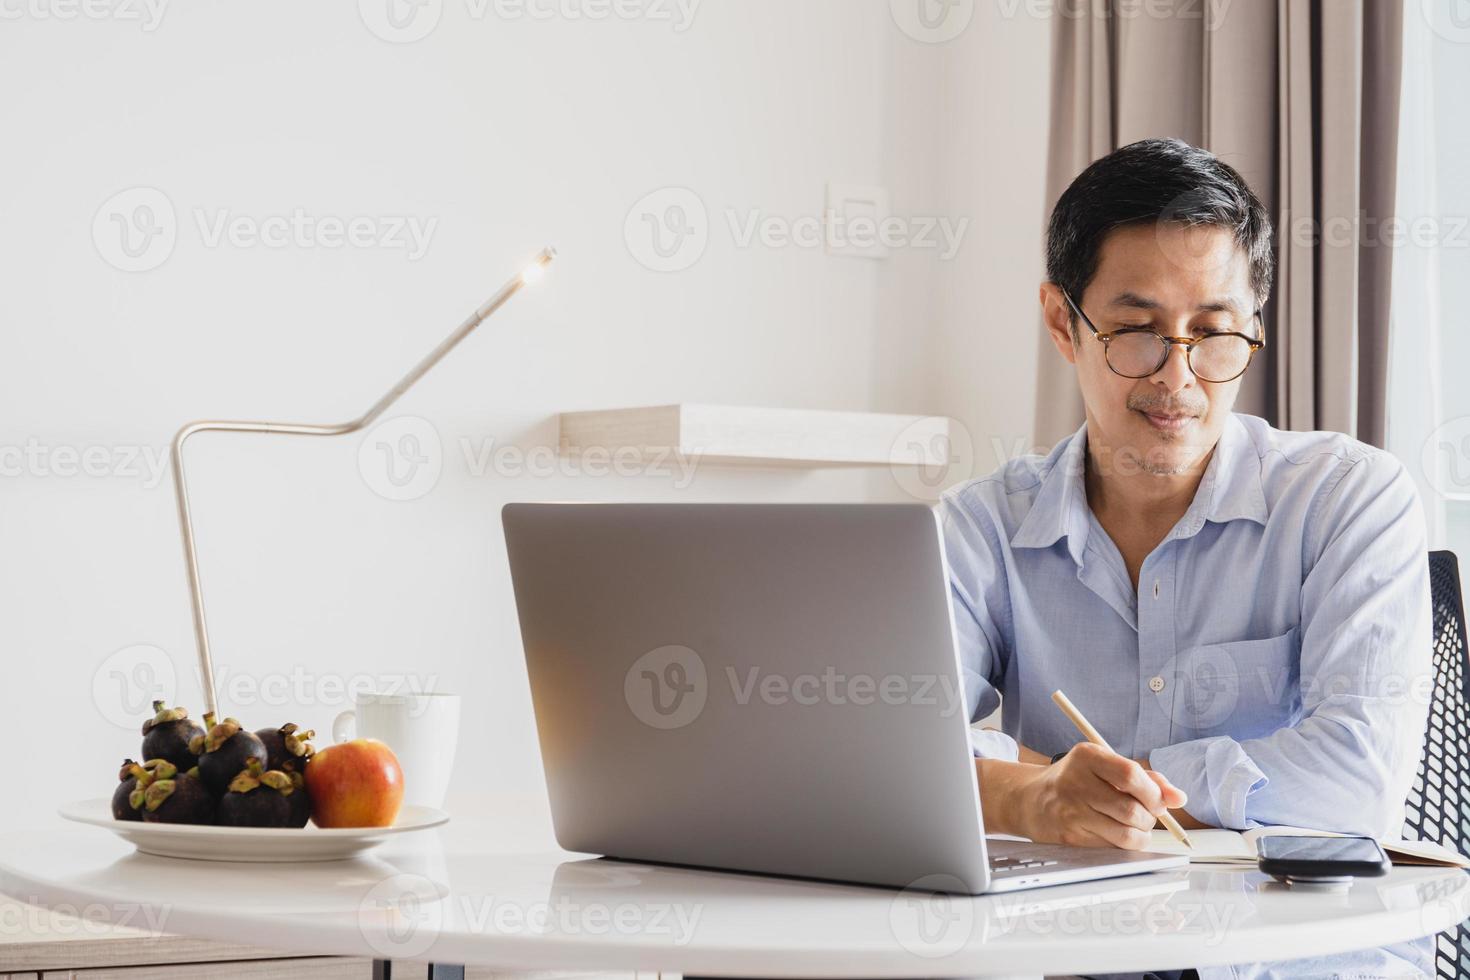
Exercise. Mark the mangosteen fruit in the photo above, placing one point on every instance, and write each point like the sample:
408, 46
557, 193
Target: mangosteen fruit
286, 748
172, 796
167, 735
127, 781
300, 801
259, 798
224, 751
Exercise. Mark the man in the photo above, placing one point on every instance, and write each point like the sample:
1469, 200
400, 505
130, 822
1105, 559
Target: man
1242, 612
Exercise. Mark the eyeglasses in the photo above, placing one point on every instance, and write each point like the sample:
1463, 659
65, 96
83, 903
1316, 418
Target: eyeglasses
1141, 352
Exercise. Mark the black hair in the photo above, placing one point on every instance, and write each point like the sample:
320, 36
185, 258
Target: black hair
1151, 181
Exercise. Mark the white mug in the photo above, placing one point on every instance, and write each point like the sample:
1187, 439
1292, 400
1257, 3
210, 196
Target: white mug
421, 729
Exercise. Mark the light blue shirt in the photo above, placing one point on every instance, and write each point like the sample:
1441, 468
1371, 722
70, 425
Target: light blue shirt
1274, 661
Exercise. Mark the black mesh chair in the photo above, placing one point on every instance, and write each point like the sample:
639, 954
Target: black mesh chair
1439, 804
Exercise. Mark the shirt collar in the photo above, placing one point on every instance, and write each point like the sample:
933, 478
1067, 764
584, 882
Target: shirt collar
1229, 490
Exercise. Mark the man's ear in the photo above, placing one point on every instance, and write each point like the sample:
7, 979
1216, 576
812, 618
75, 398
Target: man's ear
1056, 315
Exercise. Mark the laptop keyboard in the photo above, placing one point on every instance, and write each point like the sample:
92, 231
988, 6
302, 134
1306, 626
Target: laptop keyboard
1003, 863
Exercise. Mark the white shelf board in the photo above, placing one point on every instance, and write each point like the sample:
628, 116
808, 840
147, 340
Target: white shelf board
767, 436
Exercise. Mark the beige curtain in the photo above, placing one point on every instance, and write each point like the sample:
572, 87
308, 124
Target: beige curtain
1300, 96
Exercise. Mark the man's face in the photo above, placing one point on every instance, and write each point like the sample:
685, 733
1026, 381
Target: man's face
1179, 282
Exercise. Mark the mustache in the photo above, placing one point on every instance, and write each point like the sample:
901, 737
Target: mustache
1156, 404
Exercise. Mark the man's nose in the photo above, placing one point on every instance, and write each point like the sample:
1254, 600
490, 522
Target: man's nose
1175, 375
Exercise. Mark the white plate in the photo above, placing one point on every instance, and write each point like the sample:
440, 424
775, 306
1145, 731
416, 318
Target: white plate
207, 843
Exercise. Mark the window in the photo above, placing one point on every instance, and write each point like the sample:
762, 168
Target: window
1429, 359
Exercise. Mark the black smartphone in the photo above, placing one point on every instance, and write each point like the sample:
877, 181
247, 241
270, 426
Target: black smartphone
1321, 857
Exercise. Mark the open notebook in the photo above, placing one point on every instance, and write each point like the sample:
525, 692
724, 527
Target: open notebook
1239, 847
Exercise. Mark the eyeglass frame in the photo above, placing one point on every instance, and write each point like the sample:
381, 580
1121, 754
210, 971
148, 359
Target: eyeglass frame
1188, 343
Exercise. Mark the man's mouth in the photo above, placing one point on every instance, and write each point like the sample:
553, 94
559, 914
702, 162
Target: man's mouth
1166, 422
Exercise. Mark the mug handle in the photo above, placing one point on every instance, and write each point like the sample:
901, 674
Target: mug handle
344, 727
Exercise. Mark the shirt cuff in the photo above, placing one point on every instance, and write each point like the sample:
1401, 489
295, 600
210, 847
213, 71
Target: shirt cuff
993, 745
1216, 775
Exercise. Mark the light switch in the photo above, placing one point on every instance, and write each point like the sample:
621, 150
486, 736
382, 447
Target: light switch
854, 220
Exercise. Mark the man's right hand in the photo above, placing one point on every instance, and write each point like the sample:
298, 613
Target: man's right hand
1090, 798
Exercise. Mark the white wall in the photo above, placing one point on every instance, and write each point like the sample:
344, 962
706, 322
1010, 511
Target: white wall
508, 133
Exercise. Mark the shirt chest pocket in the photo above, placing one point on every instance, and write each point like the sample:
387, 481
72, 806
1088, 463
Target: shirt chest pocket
1244, 689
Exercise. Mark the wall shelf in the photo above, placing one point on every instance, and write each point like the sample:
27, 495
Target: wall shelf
760, 436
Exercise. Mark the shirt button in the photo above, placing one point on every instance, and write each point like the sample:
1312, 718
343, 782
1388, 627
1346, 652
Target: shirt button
1156, 684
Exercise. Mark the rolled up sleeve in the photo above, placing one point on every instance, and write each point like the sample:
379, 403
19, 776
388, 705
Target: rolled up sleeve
1366, 678
978, 593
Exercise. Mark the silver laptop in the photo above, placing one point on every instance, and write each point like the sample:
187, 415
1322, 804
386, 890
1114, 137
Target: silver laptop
771, 688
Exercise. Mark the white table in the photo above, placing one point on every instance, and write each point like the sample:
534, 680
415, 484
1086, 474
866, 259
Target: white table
493, 890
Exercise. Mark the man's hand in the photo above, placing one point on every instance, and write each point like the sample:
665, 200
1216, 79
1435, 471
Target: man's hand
1091, 798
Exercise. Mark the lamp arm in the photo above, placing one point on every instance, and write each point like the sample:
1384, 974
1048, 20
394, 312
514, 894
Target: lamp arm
181, 492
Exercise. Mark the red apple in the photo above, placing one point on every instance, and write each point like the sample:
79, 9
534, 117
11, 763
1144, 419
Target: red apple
354, 784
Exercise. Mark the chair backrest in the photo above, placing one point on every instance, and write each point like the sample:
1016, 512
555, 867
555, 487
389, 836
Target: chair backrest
1438, 808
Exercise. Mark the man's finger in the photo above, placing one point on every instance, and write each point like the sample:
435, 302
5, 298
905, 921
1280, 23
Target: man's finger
1127, 776
1174, 797
1124, 809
